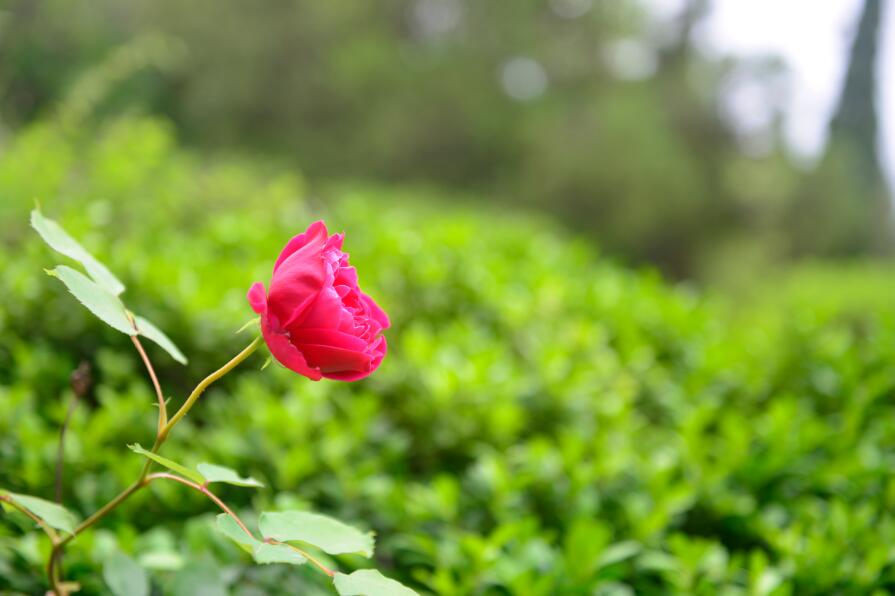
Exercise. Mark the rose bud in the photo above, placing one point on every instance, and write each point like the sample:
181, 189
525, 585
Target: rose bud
315, 319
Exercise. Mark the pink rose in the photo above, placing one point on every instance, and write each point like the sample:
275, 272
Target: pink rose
315, 319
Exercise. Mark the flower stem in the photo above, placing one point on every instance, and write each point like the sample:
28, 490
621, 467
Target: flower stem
142, 480
203, 385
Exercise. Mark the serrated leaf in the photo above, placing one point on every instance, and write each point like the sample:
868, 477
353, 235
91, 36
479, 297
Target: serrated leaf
55, 516
265, 554
216, 473
327, 534
262, 552
229, 528
153, 333
60, 241
124, 576
171, 465
369, 582
98, 300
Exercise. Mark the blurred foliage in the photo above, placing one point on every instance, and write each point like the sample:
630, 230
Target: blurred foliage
591, 110
546, 422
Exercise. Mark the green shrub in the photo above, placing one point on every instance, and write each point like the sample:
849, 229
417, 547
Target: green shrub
545, 423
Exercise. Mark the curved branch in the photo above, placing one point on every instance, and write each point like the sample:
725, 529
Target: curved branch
204, 490
159, 440
162, 406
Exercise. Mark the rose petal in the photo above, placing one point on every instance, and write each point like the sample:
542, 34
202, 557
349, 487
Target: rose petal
377, 313
335, 242
347, 276
327, 337
297, 282
257, 297
325, 312
379, 350
329, 359
312, 233
287, 354
348, 376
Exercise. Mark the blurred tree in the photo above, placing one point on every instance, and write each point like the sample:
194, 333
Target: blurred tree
855, 120
593, 111
843, 207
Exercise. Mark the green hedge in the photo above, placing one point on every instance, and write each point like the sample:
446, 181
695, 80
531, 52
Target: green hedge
546, 422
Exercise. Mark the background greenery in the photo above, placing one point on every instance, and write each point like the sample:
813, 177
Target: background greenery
549, 420
546, 421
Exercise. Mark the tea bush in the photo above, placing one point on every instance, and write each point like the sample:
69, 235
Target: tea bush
546, 421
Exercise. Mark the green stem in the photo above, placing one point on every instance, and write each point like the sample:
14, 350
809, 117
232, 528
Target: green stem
203, 385
160, 439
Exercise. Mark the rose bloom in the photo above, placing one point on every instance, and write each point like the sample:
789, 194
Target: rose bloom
315, 319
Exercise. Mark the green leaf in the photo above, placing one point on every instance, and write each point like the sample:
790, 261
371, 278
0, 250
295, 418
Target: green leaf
55, 516
262, 552
229, 528
215, 473
151, 332
59, 240
171, 465
277, 553
98, 300
369, 582
124, 576
326, 533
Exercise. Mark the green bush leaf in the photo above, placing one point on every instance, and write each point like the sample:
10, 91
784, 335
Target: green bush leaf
98, 300
216, 473
56, 516
124, 576
326, 533
619, 552
162, 560
265, 554
153, 333
369, 582
60, 241
201, 578
171, 465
